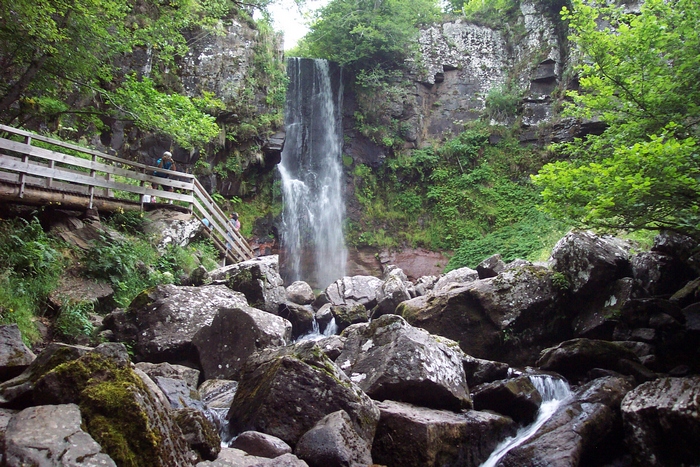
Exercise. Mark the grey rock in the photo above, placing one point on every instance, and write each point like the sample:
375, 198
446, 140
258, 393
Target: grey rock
392, 292
390, 359
171, 228
51, 435
662, 421
333, 442
230, 457
300, 316
235, 333
577, 428
421, 437
347, 315
285, 392
179, 393
218, 393
200, 433
362, 290
574, 358
185, 373
15, 356
516, 398
490, 267
163, 320
260, 444
590, 262
479, 371
258, 279
301, 293
456, 276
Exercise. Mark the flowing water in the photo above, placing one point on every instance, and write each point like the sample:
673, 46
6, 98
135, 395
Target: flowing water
313, 247
316, 333
553, 391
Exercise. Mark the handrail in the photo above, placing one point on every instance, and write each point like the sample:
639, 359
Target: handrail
51, 175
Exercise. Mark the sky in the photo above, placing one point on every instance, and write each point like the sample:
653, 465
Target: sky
287, 18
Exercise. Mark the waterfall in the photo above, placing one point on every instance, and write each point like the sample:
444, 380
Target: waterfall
553, 391
313, 246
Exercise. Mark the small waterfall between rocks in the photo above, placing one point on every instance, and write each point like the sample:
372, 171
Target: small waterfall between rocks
553, 391
313, 246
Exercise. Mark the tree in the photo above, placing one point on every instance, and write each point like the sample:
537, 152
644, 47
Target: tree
366, 34
62, 59
640, 74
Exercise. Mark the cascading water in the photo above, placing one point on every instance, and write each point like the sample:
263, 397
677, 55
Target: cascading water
553, 391
313, 247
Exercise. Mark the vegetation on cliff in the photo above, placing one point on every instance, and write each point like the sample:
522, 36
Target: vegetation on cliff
32, 263
643, 81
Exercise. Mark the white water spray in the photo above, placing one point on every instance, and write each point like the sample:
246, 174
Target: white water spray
311, 173
553, 391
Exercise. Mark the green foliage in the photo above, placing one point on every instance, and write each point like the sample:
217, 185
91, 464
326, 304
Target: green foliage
643, 80
173, 115
30, 267
74, 319
503, 102
62, 62
488, 12
365, 34
466, 195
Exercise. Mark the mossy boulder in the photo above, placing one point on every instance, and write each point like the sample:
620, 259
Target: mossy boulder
130, 423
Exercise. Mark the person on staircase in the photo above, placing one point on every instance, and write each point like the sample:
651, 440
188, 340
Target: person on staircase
166, 162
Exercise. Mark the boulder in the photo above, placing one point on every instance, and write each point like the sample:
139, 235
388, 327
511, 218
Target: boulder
162, 321
681, 247
301, 293
390, 359
479, 371
258, 279
260, 444
333, 442
516, 398
362, 290
324, 316
490, 267
15, 356
583, 426
200, 433
119, 411
662, 421
597, 319
688, 294
51, 435
459, 276
347, 315
409, 436
5, 417
509, 317
300, 316
18, 392
178, 393
574, 358
285, 392
217, 395
170, 227
392, 292
590, 262
224, 345
657, 274
189, 375
230, 457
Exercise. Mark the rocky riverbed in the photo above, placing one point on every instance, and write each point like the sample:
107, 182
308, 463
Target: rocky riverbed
432, 371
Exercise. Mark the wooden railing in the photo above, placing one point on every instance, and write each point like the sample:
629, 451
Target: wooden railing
40, 170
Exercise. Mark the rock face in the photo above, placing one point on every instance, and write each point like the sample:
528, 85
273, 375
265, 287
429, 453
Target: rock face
390, 359
420, 437
661, 421
356, 290
233, 335
285, 393
163, 320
